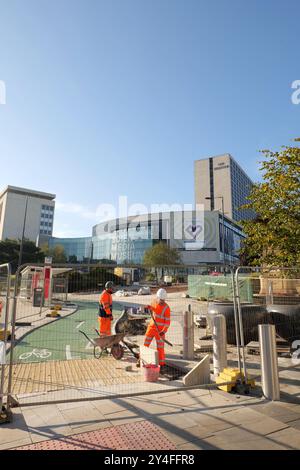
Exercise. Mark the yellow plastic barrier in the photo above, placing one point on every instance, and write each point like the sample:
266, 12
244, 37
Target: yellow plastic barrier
2, 334
232, 375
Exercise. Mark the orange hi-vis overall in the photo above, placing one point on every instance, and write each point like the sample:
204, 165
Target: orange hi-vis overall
161, 314
105, 313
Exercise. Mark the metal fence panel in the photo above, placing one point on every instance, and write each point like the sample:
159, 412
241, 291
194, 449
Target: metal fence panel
5, 336
53, 320
276, 300
55, 355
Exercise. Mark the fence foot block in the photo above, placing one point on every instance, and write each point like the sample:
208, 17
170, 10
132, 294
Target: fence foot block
5, 416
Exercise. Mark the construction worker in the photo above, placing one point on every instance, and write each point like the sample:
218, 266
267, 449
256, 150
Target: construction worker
105, 309
159, 325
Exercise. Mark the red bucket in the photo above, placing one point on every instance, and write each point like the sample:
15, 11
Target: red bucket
151, 372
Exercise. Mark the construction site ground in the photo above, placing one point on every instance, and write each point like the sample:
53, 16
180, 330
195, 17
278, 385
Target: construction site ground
190, 420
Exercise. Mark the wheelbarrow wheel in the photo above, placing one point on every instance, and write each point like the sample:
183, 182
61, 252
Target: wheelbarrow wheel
117, 351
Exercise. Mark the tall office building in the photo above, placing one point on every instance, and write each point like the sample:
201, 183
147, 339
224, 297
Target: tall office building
222, 176
39, 215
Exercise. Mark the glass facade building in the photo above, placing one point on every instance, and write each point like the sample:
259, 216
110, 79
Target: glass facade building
125, 241
76, 249
122, 241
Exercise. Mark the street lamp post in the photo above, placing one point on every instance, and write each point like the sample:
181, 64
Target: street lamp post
23, 233
223, 227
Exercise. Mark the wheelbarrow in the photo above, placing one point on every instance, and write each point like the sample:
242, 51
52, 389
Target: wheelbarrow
102, 342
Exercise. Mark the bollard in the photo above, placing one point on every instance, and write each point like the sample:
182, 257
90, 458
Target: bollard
269, 362
219, 343
188, 335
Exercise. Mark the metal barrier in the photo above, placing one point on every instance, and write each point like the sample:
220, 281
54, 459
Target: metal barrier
5, 280
275, 300
55, 355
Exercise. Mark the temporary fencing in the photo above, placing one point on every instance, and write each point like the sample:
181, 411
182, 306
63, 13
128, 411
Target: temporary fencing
56, 354
5, 334
275, 300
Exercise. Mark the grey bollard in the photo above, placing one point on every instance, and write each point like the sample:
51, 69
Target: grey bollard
188, 335
219, 343
269, 362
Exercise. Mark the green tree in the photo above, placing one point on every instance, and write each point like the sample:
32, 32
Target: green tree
92, 280
273, 238
161, 254
10, 249
57, 254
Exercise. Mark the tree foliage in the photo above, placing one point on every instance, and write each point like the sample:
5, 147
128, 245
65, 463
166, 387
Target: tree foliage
161, 254
10, 249
92, 279
273, 238
57, 253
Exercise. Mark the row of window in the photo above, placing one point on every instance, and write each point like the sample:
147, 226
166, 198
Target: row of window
45, 223
45, 232
47, 208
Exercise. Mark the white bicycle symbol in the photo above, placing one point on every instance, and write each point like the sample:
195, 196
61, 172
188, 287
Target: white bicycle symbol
39, 353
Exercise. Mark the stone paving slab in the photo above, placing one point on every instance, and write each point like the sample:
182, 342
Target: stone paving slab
253, 444
218, 421
288, 437
295, 424
275, 410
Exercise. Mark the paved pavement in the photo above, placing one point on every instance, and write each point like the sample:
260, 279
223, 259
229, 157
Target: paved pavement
189, 420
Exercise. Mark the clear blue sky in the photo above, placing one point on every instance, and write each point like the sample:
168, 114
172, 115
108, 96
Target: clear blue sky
119, 97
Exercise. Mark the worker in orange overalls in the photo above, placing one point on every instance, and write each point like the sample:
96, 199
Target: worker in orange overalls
159, 325
105, 309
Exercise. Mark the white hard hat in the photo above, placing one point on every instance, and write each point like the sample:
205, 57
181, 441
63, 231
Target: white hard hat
161, 294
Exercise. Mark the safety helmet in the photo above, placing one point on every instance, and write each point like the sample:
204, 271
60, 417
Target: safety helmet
109, 285
161, 294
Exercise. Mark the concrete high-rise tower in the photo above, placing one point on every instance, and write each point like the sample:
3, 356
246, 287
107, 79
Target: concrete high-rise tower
36, 208
221, 176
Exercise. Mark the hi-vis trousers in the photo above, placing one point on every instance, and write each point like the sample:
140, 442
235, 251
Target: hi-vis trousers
160, 345
104, 326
